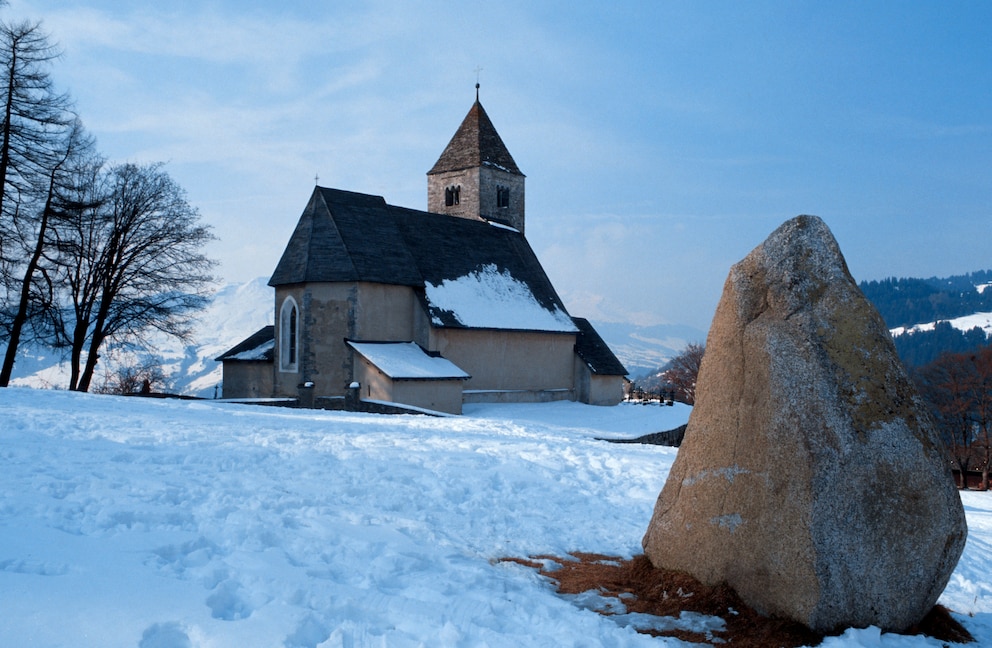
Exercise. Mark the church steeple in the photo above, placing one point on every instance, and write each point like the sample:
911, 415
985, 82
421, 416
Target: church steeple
476, 177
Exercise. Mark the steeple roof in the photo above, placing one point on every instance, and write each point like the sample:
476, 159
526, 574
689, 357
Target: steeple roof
475, 143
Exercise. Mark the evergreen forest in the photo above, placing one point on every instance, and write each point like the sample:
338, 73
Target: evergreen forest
905, 302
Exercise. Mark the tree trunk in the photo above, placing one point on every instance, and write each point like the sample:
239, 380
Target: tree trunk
5, 139
21, 317
92, 357
76, 354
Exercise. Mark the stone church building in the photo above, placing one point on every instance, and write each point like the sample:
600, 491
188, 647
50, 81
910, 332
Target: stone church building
383, 305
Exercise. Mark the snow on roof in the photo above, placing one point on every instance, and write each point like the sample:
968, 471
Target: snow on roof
400, 360
503, 226
258, 353
488, 298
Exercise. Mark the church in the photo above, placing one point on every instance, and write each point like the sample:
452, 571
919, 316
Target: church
385, 308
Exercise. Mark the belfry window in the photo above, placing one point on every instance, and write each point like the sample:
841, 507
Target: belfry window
289, 330
452, 195
502, 196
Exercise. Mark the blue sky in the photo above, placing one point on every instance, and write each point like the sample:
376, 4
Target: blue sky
661, 141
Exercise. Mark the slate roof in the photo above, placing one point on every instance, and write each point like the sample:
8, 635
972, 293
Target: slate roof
595, 352
264, 337
475, 143
344, 236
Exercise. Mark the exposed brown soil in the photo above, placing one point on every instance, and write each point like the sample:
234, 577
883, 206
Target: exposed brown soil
667, 593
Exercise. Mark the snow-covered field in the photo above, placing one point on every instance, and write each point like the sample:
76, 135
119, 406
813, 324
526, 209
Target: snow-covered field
148, 523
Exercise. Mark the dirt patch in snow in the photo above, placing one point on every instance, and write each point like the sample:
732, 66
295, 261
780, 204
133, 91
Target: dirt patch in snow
641, 588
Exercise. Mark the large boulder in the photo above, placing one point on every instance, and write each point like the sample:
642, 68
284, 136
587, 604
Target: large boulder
811, 478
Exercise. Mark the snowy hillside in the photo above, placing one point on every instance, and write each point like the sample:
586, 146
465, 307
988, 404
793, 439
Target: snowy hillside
643, 349
964, 323
238, 310
148, 523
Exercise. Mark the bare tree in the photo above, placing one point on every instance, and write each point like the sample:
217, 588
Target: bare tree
682, 371
982, 417
953, 387
132, 264
35, 298
133, 377
33, 120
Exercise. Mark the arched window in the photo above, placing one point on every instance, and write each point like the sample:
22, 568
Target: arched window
452, 195
289, 335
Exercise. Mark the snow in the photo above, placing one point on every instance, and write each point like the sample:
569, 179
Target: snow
145, 522
494, 165
407, 360
502, 226
964, 323
258, 353
488, 298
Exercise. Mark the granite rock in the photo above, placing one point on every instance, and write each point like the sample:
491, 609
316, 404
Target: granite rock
811, 478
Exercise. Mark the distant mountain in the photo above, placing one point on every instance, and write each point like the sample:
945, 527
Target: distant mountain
644, 349
239, 309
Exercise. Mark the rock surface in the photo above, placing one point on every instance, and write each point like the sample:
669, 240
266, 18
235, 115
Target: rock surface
811, 478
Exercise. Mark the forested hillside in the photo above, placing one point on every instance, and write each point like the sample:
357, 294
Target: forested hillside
924, 308
904, 302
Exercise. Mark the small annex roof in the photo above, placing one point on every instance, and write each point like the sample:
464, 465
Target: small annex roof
258, 347
475, 143
407, 361
594, 351
448, 261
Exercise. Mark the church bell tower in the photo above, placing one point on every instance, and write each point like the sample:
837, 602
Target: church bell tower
476, 177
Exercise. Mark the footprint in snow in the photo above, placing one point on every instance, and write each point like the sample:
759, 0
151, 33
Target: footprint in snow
28, 566
165, 635
230, 601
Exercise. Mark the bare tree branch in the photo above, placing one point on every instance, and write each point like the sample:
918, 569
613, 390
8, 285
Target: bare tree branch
682, 371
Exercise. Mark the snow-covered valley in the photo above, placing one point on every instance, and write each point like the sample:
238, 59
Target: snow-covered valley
150, 523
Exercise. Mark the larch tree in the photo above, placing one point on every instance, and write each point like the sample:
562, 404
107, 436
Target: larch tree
35, 303
34, 122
